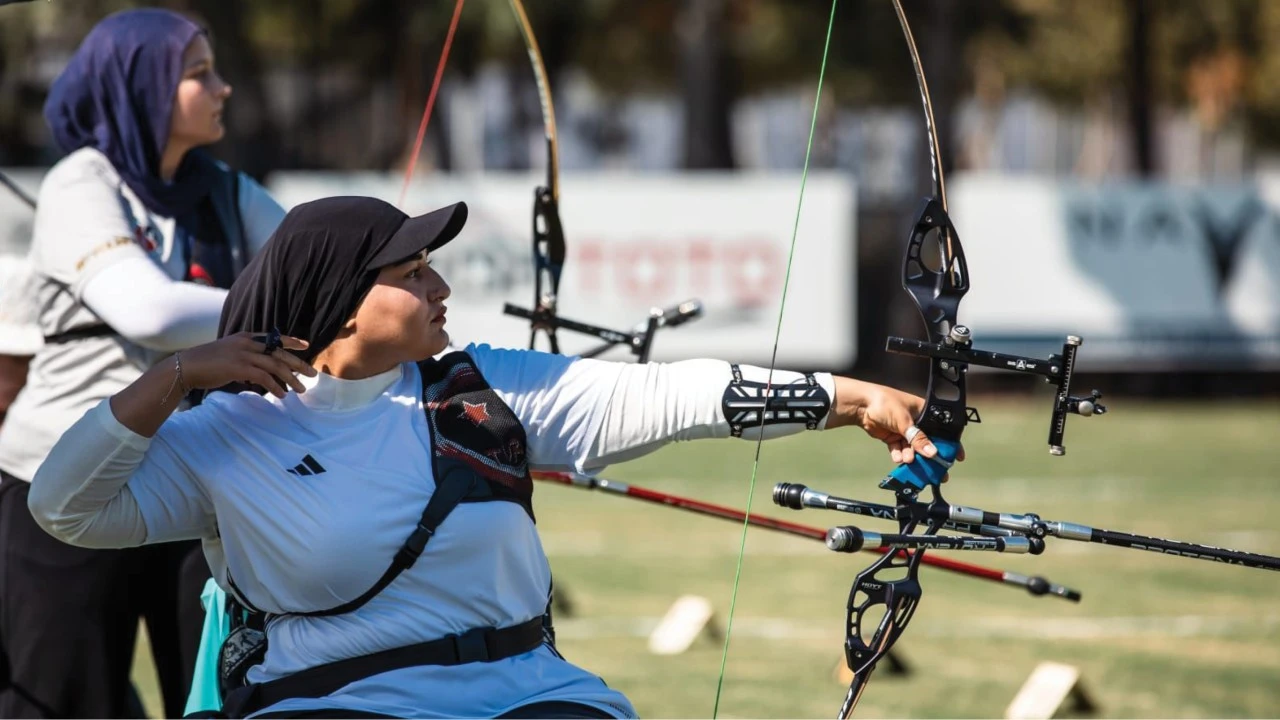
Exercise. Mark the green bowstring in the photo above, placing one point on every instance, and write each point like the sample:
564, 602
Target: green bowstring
795, 231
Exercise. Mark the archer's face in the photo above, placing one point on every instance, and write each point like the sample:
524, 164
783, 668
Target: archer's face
199, 101
403, 316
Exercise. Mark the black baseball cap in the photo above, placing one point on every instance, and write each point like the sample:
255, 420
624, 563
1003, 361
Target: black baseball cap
424, 232
322, 260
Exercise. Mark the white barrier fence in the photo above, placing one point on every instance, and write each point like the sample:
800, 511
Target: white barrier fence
1150, 275
635, 242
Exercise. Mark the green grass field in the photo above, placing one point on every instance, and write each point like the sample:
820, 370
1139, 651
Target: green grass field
1155, 636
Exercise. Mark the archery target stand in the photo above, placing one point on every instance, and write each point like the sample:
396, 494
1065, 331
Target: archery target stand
1053, 690
688, 618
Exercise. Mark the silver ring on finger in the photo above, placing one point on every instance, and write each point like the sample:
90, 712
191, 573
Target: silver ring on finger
911, 433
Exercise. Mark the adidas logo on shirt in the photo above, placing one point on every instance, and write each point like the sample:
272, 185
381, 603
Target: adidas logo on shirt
308, 466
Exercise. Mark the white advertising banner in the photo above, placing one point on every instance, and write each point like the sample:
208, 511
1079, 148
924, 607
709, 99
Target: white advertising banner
635, 242
1152, 276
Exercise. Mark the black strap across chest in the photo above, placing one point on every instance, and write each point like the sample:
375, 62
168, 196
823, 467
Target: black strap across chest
474, 431
477, 447
80, 333
450, 491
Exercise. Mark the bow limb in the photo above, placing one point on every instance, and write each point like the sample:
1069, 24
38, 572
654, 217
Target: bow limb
544, 97
931, 127
548, 233
549, 252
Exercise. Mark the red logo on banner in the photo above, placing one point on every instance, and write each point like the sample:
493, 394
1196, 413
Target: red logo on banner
749, 270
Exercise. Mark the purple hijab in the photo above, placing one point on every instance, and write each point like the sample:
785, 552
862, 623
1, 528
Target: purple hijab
116, 95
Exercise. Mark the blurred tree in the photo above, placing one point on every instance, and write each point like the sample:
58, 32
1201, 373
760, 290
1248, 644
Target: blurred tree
35, 40
708, 83
1204, 56
1262, 84
728, 49
1141, 128
341, 83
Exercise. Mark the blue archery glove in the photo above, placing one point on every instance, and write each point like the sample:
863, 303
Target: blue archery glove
923, 471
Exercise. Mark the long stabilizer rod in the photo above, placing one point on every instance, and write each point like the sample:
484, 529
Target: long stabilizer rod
1030, 525
1035, 585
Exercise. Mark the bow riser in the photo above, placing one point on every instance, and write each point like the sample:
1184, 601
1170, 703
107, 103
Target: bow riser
548, 264
895, 595
937, 292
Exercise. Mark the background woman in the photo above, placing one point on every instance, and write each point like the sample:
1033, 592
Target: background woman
137, 235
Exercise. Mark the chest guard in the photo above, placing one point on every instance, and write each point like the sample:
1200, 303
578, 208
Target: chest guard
474, 431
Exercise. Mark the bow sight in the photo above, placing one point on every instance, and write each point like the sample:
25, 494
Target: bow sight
956, 353
937, 293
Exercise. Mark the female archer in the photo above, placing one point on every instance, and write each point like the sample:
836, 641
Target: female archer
369, 492
137, 235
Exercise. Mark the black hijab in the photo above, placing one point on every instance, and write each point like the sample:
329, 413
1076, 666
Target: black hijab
322, 260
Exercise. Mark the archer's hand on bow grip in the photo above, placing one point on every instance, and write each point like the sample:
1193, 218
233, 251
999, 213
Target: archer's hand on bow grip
923, 471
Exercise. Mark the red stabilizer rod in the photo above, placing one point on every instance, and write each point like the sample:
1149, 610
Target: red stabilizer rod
1034, 585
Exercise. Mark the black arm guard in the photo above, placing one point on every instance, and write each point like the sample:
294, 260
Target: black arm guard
745, 401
